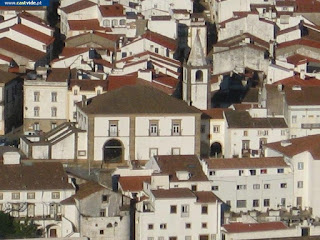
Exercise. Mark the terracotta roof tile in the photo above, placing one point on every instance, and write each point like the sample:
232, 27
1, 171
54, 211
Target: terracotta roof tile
72, 51
304, 95
243, 163
307, 6
301, 41
133, 183
5, 58
88, 84
33, 176
90, 24
297, 81
298, 145
132, 99
161, 40
35, 19
170, 164
297, 59
78, 6
206, 197
115, 10
30, 32
21, 49
86, 189
215, 113
173, 193
254, 227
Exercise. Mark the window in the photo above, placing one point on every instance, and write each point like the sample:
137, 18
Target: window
153, 152
102, 212
36, 126
122, 21
150, 238
300, 165
113, 128
266, 202
31, 195
114, 22
101, 232
53, 125
163, 226
241, 187
36, 96
212, 173
98, 92
266, 186
283, 185
245, 144
194, 188
199, 76
241, 172
156, 50
55, 195
188, 238
15, 196
1, 197
204, 209
256, 186
173, 209
294, 119
188, 225
53, 96
241, 203
280, 170
184, 210
160, 238
36, 111
283, 132
204, 225
175, 151
215, 188
53, 112
252, 172
216, 128
176, 127
104, 198
263, 171
245, 133
153, 128
255, 203
15, 209
283, 202
75, 91
300, 184
150, 226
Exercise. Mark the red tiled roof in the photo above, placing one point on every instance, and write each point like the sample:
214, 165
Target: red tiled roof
180, 11
215, 113
88, 84
90, 24
5, 58
115, 10
301, 41
133, 183
206, 197
35, 19
173, 193
287, 30
244, 106
297, 81
298, 145
170, 164
161, 40
285, 3
297, 59
254, 227
78, 6
238, 163
72, 51
308, 95
21, 49
30, 32
103, 62
306, 6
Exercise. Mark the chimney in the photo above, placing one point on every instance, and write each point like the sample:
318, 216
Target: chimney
303, 74
10, 158
145, 74
84, 101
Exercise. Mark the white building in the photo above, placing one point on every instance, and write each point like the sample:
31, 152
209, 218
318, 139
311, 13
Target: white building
97, 212
35, 191
302, 155
137, 122
247, 184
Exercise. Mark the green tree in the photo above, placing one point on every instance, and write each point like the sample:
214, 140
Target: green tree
14, 228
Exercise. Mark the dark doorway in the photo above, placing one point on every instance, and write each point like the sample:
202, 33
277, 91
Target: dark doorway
215, 150
112, 151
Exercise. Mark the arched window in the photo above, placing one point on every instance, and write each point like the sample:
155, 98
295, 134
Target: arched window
106, 23
122, 22
199, 76
114, 22
113, 151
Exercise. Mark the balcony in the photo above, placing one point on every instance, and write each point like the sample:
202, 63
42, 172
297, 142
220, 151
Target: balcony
113, 133
245, 152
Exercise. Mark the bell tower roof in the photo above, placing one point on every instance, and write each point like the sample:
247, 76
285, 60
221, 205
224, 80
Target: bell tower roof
197, 57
